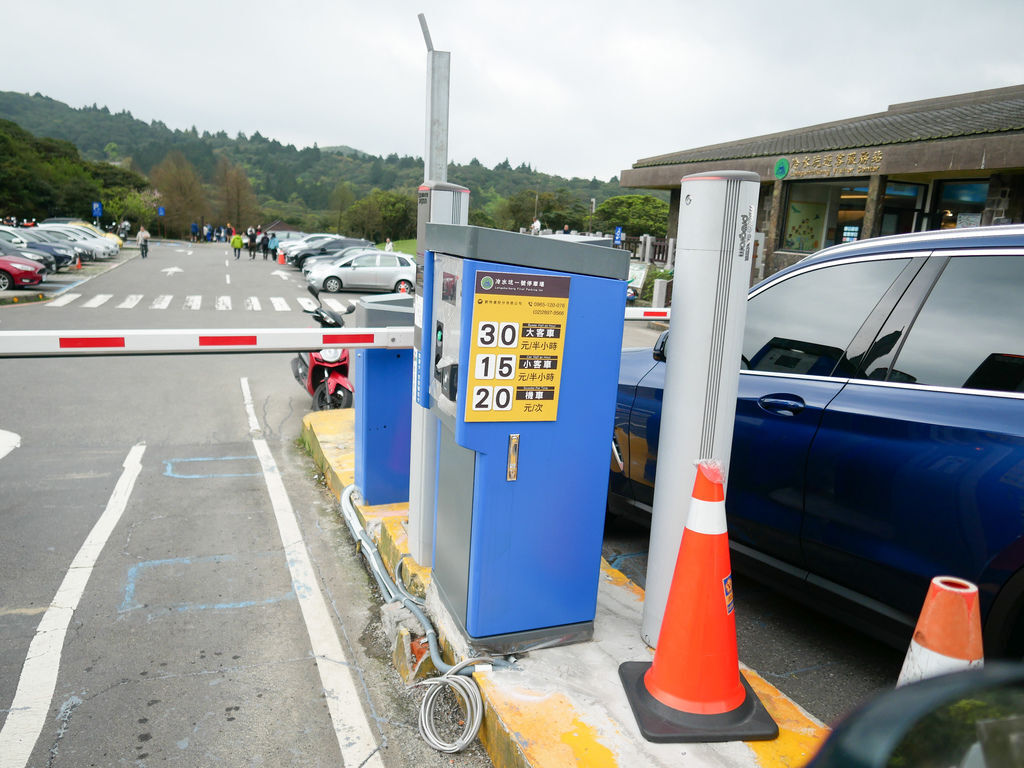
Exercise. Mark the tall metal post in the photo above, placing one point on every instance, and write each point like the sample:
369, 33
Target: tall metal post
715, 241
424, 432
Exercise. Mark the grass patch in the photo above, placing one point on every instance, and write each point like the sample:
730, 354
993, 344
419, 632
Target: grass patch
402, 246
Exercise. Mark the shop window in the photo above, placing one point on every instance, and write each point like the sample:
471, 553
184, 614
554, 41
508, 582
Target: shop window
959, 204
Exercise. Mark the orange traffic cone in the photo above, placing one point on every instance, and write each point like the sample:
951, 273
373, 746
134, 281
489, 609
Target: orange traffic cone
947, 637
280, 258
78, 263
693, 690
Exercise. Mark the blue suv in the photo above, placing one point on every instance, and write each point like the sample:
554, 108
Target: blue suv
879, 436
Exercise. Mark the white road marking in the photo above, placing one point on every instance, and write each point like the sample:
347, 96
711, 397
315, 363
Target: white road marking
281, 273
306, 303
280, 304
337, 306
8, 442
351, 727
98, 300
222, 302
193, 302
131, 301
161, 302
31, 706
227, 279
253, 304
63, 301
171, 270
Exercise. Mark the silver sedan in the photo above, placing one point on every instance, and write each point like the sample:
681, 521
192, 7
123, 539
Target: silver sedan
365, 270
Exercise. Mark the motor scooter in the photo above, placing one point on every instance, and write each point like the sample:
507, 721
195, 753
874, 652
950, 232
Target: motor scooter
324, 374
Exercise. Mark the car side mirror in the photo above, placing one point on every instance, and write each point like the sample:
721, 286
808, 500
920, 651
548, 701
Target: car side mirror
970, 719
659, 347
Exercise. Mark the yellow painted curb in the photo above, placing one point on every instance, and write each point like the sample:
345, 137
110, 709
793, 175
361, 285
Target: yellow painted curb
525, 728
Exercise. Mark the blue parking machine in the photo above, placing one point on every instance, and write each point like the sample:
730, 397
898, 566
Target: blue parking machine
522, 357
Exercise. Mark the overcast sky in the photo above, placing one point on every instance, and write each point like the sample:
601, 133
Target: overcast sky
570, 87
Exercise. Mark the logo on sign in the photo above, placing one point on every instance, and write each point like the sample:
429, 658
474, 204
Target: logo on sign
487, 282
727, 586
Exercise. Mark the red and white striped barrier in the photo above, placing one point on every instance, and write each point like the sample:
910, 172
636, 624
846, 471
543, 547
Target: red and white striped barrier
172, 342
648, 313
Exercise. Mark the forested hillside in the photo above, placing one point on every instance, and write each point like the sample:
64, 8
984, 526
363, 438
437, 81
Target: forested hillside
254, 177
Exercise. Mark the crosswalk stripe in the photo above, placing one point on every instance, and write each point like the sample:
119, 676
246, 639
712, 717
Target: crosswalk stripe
336, 305
279, 303
253, 304
63, 301
193, 302
222, 302
306, 303
98, 300
131, 301
161, 302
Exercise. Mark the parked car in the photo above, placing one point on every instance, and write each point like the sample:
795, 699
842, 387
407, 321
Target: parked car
879, 434
101, 247
324, 249
92, 228
19, 272
308, 241
74, 243
332, 258
369, 270
59, 254
25, 252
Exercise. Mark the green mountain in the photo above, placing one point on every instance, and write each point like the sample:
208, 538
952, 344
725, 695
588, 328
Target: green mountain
282, 176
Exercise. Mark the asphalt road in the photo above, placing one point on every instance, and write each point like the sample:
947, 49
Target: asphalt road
189, 643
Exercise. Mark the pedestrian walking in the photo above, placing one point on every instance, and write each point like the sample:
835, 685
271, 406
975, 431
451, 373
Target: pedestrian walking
236, 243
272, 245
142, 238
252, 244
265, 245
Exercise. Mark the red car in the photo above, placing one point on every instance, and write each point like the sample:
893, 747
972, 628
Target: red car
16, 272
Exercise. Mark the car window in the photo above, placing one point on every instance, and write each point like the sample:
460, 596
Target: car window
368, 260
805, 323
968, 334
388, 260
404, 262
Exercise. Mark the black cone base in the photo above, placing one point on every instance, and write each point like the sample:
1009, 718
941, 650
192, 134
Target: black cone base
659, 723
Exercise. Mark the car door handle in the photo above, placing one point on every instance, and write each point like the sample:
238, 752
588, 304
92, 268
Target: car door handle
784, 405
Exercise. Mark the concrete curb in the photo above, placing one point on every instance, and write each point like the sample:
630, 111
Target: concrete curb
561, 706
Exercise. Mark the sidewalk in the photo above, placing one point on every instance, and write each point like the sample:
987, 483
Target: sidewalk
561, 706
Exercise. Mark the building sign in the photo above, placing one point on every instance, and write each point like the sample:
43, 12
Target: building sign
516, 352
855, 163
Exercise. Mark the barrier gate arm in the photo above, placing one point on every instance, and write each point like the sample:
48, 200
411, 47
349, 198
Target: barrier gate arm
63, 343
648, 313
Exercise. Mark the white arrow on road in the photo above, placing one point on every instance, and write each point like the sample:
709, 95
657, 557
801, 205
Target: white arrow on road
280, 273
171, 270
8, 442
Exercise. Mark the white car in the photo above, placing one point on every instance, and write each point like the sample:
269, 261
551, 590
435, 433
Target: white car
368, 270
103, 247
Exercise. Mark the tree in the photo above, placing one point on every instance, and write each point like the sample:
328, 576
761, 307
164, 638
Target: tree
126, 204
181, 192
382, 214
236, 200
341, 199
636, 214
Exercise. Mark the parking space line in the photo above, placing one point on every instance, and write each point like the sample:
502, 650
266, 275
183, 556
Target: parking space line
351, 727
31, 704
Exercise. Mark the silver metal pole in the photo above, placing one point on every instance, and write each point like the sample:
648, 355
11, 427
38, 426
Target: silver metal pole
715, 240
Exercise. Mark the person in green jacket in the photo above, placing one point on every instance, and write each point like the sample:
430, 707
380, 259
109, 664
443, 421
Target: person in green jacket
236, 243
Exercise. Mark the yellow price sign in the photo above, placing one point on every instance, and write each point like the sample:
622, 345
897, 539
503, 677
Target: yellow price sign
518, 336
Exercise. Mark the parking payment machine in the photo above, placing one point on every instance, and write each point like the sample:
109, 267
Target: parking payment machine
524, 354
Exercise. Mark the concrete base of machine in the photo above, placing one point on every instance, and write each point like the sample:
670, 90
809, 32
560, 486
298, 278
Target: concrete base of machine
516, 642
